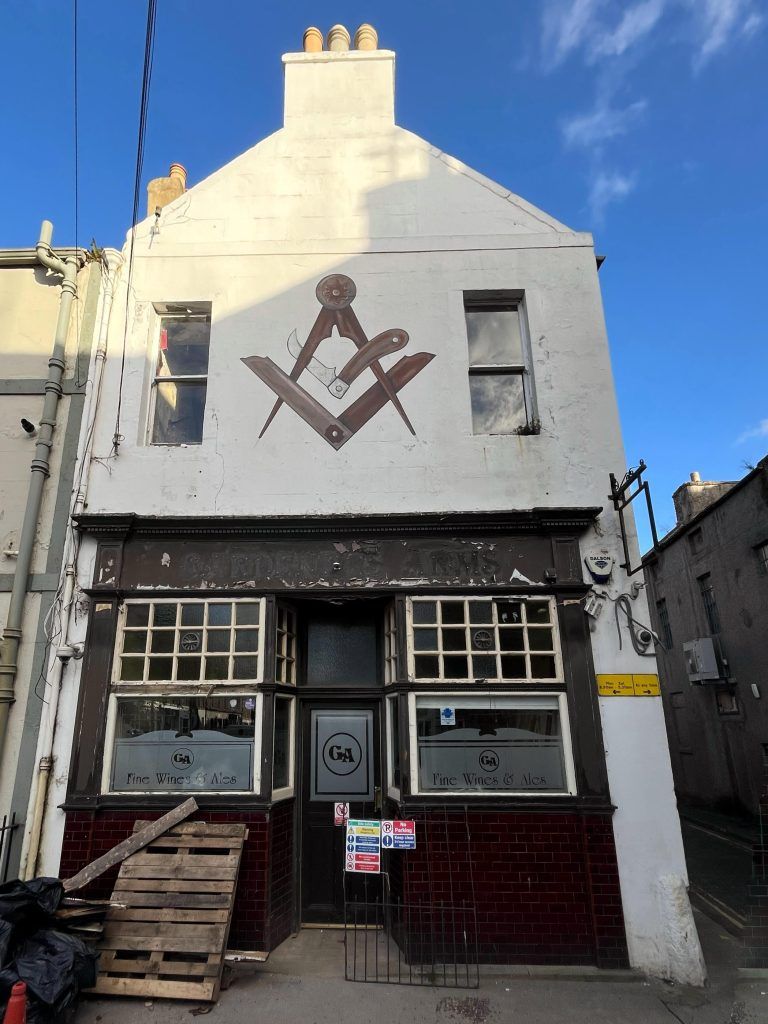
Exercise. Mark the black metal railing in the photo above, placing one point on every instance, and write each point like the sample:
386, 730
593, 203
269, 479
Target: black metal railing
411, 944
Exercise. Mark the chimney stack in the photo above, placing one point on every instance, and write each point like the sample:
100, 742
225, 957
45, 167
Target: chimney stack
337, 90
696, 494
161, 191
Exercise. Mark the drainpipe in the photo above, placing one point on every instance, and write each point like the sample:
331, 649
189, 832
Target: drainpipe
9, 646
111, 263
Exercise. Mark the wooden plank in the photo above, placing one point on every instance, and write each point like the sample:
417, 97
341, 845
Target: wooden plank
189, 872
185, 859
139, 839
164, 943
174, 899
115, 931
198, 916
170, 885
110, 963
174, 840
205, 828
246, 956
149, 989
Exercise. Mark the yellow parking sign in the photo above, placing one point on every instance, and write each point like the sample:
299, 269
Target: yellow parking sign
616, 685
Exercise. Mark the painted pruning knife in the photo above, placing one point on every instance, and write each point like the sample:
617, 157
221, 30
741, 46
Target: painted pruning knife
338, 383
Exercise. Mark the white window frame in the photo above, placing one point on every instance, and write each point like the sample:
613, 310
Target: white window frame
184, 688
392, 707
553, 624
109, 746
285, 792
506, 301
161, 312
565, 732
237, 685
391, 644
286, 644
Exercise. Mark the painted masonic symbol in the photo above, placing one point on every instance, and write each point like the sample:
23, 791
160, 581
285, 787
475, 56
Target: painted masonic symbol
336, 294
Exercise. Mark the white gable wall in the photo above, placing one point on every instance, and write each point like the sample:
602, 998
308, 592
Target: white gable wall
341, 189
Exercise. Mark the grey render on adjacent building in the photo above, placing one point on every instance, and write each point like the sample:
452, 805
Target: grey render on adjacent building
29, 308
709, 579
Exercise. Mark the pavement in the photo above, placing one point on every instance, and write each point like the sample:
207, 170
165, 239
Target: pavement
303, 983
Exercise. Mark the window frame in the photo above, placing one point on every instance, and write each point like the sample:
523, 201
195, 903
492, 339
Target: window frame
285, 792
554, 625
154, 688
565, 733
761, 553
392, 715
196, 310
109, 747
245, 685
506, 302
662, 610
709, 603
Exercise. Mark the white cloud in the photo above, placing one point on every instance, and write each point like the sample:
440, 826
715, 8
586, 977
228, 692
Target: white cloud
761, 430
609, 187
636, 23
566, 24
599, 30
718, 23
600, 124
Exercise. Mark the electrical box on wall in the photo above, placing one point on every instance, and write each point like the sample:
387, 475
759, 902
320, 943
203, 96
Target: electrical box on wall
703, 660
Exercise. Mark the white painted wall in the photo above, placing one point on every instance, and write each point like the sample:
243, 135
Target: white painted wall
342, 189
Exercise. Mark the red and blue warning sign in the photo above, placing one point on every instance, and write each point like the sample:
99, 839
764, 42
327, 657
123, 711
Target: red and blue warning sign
398, 835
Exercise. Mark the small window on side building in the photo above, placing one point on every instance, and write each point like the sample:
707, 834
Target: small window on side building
500, 374
762, 558
181, 376
666, 631
707, 592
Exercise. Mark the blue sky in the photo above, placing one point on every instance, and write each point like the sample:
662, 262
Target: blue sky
644, 121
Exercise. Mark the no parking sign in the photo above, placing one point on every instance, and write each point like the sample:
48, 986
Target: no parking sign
398, 835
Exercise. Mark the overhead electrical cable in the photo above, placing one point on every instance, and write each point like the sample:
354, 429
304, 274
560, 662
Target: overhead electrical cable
149, 46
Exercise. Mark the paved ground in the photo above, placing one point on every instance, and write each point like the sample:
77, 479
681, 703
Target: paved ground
303, 983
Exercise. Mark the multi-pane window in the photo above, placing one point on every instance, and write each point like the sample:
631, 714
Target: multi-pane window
666, 631
184, 714
511, 638
487, 744
390, 644
189, 641
285, 647
710, 604
181, 376
500, 378
762, 557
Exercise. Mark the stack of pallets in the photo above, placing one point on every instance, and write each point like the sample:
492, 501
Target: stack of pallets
169, 936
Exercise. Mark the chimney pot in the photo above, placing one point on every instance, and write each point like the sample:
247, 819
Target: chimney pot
338, 38
695, 477
313, 40
366, 38
179, 173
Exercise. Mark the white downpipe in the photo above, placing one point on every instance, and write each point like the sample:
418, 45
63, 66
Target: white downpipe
44, 755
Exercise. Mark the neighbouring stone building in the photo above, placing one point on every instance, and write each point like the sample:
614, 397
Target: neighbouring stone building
44, 356
352, 447
708, 593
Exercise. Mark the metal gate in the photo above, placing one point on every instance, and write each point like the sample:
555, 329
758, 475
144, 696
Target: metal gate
411, 943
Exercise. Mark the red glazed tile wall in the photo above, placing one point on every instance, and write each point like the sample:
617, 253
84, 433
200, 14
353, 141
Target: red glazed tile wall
546, 886
281, 908
89, 834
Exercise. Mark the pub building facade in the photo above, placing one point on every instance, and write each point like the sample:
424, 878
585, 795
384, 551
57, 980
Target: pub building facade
352, 448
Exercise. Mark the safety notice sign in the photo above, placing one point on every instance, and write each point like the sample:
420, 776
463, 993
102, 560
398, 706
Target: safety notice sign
363, 846
340, 813
398, 835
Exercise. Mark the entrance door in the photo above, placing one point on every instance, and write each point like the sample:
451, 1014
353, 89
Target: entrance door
340, 762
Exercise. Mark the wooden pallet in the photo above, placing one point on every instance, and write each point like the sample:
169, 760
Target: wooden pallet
169, 938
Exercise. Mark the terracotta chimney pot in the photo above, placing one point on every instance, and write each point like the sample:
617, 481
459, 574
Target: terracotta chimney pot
338, 38
366, 38
313, 40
